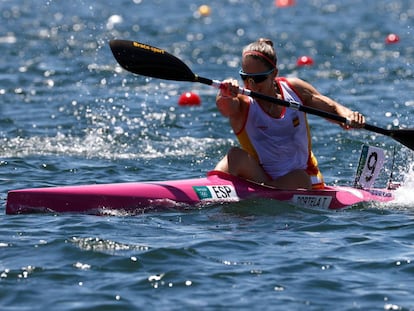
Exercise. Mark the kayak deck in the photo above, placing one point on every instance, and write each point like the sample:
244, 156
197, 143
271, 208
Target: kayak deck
216, 187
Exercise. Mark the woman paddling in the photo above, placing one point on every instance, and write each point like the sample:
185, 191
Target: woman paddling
275, 141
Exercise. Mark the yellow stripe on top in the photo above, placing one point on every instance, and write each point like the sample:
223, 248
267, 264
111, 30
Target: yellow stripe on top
246, 144
312, 165
244, 140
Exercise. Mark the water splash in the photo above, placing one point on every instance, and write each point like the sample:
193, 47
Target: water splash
404, 195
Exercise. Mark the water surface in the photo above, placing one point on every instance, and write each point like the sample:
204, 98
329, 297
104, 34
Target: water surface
69, 115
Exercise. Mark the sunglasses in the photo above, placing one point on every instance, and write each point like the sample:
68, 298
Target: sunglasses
256, 77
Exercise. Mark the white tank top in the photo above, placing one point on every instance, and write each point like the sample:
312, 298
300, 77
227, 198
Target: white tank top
280, 144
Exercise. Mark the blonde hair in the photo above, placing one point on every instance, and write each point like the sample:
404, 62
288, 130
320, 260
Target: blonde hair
262, 49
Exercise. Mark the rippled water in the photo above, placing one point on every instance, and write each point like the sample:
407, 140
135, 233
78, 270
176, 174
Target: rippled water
69, 115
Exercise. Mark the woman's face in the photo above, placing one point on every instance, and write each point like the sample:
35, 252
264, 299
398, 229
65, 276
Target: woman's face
257, 81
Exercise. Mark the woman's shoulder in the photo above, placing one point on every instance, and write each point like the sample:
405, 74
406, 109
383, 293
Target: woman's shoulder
293, 81
302, 87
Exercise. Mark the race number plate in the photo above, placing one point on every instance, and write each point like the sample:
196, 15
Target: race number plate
370, 164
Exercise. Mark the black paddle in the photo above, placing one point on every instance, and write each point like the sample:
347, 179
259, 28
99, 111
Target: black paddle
153, 62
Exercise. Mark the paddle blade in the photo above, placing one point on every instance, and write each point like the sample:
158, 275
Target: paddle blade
404, 136
150, 61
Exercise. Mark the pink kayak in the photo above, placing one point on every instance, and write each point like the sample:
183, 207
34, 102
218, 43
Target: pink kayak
217, 187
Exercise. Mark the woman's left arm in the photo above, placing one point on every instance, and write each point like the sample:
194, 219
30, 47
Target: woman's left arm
312, 98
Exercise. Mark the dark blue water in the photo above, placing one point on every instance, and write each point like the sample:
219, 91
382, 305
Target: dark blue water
69, 115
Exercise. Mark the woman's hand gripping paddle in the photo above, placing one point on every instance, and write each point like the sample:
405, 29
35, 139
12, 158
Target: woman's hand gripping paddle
154, 62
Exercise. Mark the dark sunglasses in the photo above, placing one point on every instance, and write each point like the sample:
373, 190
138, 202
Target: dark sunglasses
256, 77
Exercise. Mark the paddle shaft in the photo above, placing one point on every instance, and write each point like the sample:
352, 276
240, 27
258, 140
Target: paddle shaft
293, 105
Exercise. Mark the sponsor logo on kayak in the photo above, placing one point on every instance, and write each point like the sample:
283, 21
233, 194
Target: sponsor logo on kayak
380, 193
312, 200
148, 47
219, 192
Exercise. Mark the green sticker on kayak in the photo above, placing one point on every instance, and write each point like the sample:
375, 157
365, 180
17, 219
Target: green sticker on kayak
219, 192
203, 192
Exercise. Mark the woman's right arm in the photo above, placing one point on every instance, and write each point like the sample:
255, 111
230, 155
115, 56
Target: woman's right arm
227, 100
231, 104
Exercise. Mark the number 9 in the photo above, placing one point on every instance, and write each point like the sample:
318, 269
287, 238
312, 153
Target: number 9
371, 165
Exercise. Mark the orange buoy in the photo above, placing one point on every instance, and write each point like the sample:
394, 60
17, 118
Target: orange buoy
189, 99
204, 10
